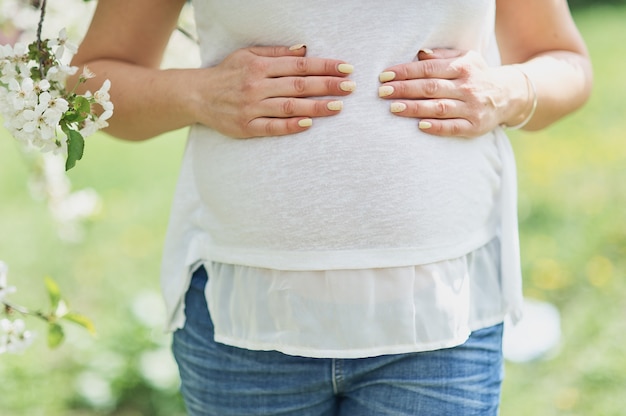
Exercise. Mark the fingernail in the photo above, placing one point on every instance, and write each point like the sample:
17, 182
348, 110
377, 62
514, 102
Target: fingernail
385, 90
397, 107
305, 122
424, 125
386, 76
347, 86
296, 47
345, 68
335, 105
427, 51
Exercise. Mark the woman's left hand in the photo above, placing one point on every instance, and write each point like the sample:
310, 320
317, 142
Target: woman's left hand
453, 92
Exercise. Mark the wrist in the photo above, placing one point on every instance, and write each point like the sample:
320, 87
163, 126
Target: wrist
189, 100
524, 101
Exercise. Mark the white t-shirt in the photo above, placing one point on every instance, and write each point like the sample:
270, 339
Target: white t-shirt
361, 191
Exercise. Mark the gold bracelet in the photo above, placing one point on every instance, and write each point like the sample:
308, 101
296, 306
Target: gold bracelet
531, 89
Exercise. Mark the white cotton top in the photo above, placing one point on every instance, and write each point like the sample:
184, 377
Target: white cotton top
360, 210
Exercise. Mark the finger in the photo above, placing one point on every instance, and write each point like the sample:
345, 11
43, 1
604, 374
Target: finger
440, 53
455, 127
276, 51
432, 68
264, 126
298, 107
439, 108
312, 86
284, 66
430, 64
420, 88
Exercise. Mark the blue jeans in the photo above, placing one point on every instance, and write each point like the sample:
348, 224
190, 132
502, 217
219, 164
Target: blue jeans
221, 380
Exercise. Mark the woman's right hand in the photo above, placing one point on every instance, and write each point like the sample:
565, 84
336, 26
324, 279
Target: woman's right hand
256, 91
268, 91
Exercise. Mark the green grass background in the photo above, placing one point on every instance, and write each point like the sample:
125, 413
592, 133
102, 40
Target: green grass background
572, 180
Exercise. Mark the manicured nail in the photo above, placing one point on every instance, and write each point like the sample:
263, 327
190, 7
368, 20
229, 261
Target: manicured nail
348, 86
345, 68
424, 125
385, 90
397, 107
386, 76
335, 105
296, 47
427, 51
305, 122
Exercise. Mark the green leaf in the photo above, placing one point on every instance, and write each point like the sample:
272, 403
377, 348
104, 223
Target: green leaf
75, 148
33, 50
55, 335
72, 117
82, 321
34, 73
53, 292
82, 105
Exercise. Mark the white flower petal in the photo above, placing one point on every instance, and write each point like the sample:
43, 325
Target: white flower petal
106, 115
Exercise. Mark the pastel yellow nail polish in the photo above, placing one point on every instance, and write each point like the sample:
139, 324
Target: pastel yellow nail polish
397, 107
424, 125
347, 86
335, 105
427, 51
385, 90
296, 47
387, 76
305, 122
345, 68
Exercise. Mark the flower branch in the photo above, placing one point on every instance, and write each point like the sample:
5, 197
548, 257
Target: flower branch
37, 108
14, 337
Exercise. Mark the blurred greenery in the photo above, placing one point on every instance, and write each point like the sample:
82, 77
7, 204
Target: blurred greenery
579, 4
112, 277
572, 180
573, 234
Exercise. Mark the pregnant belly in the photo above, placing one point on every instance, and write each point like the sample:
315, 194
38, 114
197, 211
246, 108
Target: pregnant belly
320, 192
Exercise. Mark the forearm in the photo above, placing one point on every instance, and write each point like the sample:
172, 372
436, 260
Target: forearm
253, 92
542, 38
147, 101
562, 82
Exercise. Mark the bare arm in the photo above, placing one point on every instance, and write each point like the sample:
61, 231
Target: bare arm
255, 91
125, 43
541, 36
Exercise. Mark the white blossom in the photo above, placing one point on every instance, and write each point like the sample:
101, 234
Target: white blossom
98, 122
8, 71
14, 337
61, 43
35, 105
42, 122
68, 208
5, 289
159, 368
32, 118
90, 127
87, 74
17, 58
102, 96
41, 86
60, 73
22, 95
5, 51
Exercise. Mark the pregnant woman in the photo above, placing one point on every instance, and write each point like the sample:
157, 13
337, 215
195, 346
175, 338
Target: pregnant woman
343, 237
